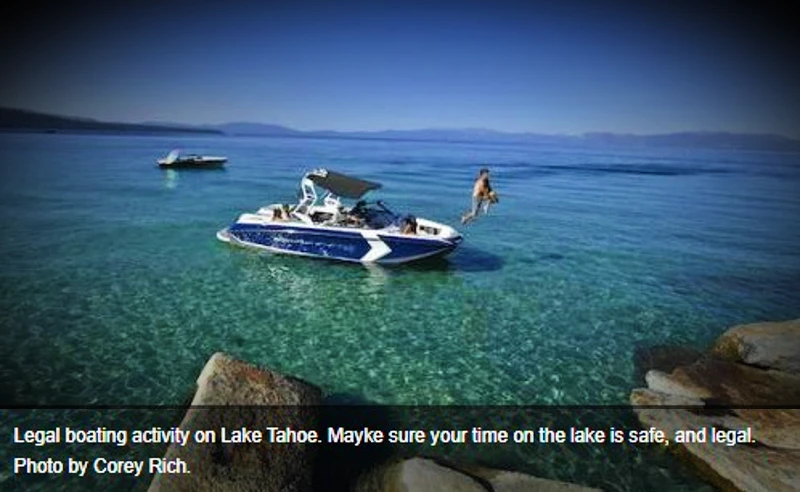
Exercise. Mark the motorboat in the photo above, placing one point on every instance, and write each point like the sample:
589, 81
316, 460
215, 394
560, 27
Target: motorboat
365, 232
175, 160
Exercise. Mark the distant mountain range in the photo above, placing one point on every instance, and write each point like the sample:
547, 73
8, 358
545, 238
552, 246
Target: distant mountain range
23, 120
746, 141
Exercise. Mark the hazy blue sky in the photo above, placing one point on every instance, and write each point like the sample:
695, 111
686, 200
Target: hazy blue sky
380, 65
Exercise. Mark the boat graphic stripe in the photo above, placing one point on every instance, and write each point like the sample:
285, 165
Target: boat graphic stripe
378, 248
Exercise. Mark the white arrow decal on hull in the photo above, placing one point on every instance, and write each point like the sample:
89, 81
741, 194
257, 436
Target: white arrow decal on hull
377, 248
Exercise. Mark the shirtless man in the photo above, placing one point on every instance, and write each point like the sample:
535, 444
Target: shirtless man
481, 192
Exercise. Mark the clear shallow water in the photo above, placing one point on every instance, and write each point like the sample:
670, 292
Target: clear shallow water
114, 289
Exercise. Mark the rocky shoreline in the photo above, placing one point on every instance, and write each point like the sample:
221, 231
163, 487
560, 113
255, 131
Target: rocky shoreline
749, 379
747, 382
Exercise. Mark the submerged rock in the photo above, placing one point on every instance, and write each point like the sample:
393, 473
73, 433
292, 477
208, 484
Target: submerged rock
748, 382
673, 384
423, 475
236, 395
664, 358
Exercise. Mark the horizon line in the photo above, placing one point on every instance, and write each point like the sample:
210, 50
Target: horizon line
179, 124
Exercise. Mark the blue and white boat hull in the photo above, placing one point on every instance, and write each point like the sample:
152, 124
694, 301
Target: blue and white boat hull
356, 245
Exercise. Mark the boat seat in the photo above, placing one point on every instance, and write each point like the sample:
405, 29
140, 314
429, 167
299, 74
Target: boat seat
302, 218
322, 217
337, 217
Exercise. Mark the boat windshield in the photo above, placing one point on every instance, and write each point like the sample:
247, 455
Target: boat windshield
377, 215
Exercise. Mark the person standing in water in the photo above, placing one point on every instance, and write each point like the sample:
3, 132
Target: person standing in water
481, 192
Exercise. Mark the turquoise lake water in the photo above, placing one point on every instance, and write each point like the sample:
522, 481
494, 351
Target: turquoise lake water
114, 289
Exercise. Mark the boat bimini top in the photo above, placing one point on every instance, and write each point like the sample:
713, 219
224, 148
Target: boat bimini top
341, 185
337, 185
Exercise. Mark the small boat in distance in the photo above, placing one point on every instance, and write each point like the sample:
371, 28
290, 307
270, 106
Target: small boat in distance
175, 160
367, 232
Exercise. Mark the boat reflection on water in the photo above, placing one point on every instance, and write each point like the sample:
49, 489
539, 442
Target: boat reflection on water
466, 259
376, 279
170, 179
304, 285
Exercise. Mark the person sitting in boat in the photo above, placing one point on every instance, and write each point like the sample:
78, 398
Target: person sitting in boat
356, 221
481, 193
281, 213
409, 225
350, 218
356, 217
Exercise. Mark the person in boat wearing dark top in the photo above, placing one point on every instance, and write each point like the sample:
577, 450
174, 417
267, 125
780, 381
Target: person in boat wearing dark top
482, 196
356, 216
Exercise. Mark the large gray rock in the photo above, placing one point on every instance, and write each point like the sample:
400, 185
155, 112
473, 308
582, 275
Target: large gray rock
730, 383
750, 369
508, 481
240, 395
767, 345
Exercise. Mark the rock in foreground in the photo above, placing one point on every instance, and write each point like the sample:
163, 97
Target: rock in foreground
750, 369
423, 475
241, 395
